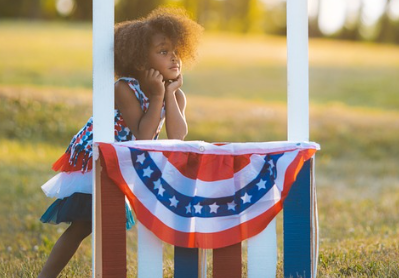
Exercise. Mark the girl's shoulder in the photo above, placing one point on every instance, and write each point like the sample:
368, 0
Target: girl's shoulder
129, 84
132, 84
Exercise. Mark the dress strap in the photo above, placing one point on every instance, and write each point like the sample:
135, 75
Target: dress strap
135, 86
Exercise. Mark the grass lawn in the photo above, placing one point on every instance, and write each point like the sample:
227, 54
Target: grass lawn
239, 84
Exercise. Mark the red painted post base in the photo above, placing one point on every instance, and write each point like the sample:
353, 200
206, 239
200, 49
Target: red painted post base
227, 262
113, 217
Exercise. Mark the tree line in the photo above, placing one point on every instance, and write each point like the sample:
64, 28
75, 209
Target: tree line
242, 16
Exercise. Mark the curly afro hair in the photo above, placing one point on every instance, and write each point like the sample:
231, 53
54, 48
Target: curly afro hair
133, 39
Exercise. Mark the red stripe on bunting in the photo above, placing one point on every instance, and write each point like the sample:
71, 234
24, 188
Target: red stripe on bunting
217, 167
200, 240
293, 170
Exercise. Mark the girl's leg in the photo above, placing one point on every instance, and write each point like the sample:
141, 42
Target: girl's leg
64, 248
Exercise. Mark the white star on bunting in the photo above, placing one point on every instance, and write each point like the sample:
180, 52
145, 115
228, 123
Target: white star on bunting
140, 158
261, 184
173, 202
246, 198
198, 208
161, 190
271, 163
147, 172
214, 207
231, 206
157, 184
188, 208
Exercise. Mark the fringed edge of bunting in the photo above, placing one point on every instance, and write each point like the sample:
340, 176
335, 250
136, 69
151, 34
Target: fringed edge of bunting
82, 161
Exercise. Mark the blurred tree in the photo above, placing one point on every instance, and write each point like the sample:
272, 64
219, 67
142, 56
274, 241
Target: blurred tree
314, 30
255, 16
131, 9
48, 9
20, 8
192, 6
83, 10
275, 20
268, 16
350, 30
388, 31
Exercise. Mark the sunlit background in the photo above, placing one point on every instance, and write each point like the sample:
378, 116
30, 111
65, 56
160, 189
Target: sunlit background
371, 20
236, 92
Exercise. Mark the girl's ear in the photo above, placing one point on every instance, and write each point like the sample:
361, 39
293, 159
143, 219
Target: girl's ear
142, 67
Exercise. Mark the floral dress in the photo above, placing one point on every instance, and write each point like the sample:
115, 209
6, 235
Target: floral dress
73, 185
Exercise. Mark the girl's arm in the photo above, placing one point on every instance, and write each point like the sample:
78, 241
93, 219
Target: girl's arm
175, 105
143, 125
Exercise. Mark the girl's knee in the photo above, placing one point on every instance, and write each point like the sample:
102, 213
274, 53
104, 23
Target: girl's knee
81, 228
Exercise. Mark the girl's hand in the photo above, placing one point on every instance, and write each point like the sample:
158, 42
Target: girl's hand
173, 85
153, 81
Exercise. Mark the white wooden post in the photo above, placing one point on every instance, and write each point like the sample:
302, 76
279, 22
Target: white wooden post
103, 108
262, 253
260, 258
149, 254
297, 70
300, 207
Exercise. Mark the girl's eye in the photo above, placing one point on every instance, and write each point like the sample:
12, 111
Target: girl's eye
164, 52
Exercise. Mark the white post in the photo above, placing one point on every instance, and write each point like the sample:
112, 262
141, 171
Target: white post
103, 106
149, 254
297, 70
301, 241
262, 253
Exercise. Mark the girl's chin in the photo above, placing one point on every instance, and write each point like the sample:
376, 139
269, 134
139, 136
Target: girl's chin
170, 78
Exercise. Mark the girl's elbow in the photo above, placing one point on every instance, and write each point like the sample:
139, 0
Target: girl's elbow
178, 136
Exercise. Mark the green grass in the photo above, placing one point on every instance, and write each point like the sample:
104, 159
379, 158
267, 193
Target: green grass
236, 93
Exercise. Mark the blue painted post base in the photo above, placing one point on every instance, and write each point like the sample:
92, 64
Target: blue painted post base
186, 262
298, 235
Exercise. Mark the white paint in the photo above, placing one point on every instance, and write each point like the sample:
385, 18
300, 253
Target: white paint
315, 219
297, 70
202, 263
103, 99
103, 71
149, 253
262, 253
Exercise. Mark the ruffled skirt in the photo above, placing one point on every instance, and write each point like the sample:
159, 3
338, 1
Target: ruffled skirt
73, 191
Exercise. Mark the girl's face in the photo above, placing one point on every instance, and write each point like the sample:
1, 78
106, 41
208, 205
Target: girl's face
162, 56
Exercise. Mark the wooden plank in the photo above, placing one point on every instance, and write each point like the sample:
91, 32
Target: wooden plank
103, 109
262, 253
202, 263
149, 253
298, 227
297, 71
97, 228
315, 219
227, 262
113, 220
186, 262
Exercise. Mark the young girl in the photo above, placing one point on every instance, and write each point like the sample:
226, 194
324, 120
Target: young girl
148, 64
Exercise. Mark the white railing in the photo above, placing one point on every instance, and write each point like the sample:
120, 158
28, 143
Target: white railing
262, 249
